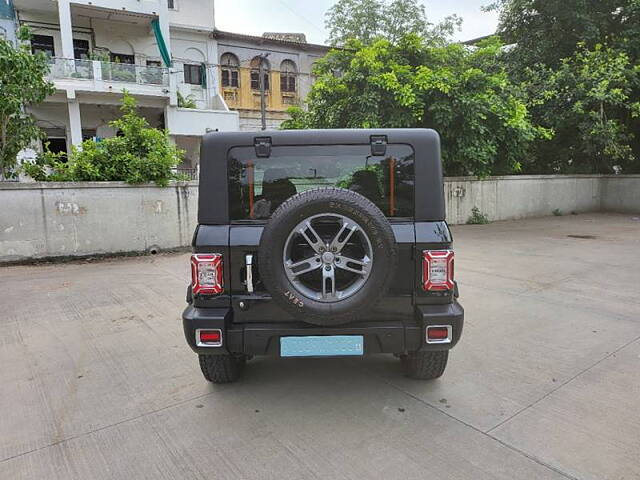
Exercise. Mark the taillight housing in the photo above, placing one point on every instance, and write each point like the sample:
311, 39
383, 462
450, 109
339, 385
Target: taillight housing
206, 274
209, 337
437, 270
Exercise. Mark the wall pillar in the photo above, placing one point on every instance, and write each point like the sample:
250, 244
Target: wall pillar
214, 93
75, 123
66, 33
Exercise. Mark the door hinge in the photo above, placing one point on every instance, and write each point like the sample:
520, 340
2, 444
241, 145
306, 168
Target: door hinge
378, 145
262, 146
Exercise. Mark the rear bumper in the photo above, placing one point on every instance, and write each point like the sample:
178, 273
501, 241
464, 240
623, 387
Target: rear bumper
393, 336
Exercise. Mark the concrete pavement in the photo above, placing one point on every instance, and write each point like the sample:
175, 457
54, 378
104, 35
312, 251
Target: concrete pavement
97, 381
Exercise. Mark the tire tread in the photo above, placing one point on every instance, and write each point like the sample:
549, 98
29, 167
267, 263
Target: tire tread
221, 368
426, 365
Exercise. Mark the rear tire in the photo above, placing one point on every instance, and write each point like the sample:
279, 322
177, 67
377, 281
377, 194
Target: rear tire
222, 368
425, 365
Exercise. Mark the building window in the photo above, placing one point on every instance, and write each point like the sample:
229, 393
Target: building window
255, 73
154, 63
193, 74
288, 77
43, 43
171, 4
230, 70
122, 58
80, 49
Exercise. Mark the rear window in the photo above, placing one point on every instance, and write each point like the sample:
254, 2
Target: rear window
257, 186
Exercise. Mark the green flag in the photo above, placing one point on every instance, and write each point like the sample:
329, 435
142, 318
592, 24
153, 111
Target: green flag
162, 46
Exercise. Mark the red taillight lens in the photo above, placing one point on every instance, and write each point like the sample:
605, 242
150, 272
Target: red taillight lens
209, 338
437, 270
439, 334
206, 274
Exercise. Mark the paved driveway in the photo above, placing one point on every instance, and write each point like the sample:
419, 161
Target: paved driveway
96, 380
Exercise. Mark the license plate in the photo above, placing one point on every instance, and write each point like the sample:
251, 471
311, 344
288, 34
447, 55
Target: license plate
322, 346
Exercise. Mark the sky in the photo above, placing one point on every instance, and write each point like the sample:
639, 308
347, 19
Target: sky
254, 17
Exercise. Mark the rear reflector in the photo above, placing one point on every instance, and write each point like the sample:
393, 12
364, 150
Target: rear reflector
437, 270
439, 334
206, 274
209, 338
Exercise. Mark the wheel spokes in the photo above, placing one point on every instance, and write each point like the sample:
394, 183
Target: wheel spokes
327, 256
342, 237
346, 263
328, 282
313, 244
304, 266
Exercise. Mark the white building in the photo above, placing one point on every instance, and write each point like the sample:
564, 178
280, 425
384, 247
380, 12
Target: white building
100, 47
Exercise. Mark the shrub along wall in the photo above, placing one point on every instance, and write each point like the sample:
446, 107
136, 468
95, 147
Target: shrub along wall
59, 219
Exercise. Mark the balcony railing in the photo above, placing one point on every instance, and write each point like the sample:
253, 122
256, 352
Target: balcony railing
63, 68
71, 68
187, 173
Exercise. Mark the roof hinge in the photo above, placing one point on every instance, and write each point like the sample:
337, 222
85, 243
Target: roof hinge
262, 146
378, 145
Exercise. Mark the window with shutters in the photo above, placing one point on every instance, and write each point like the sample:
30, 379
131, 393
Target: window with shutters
288, 74
230, 70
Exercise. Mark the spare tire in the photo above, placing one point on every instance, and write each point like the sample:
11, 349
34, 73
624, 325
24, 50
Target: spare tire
327, 255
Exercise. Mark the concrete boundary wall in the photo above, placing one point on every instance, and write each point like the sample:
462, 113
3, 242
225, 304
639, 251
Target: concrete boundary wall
60, 219
521, 196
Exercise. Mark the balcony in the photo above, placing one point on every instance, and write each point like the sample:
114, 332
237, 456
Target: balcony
73, 69
197, 122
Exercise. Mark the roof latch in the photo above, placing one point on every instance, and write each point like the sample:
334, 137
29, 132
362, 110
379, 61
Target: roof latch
378, 145
263, 146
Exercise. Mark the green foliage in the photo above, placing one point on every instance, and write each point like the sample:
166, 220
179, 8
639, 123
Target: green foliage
22, 84
591, 101
39, 169
140, 154
557, 212
477, 217
465, 94
577, 62
369, 20
297, 119
547, 31
187, 102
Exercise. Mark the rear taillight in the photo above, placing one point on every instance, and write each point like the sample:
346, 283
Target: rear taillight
209, 338
206, 274
437, 270
438, 334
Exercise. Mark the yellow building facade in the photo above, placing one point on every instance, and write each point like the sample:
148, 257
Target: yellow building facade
287, 64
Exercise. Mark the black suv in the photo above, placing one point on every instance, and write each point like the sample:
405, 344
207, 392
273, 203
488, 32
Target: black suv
322, 243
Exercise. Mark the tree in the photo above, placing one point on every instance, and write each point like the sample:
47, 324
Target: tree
22, 84
463, 93
139, 154
577, 62
589, 100
368, 20
547, 31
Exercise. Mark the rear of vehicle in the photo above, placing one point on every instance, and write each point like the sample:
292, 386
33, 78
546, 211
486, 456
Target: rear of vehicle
322, 243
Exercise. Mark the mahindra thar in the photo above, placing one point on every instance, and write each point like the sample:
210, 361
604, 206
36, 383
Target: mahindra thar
322, 243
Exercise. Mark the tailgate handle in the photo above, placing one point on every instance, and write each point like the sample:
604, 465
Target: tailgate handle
249, 264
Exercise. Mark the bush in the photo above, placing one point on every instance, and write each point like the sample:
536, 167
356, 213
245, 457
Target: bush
140, 154
477, 217
186, 102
